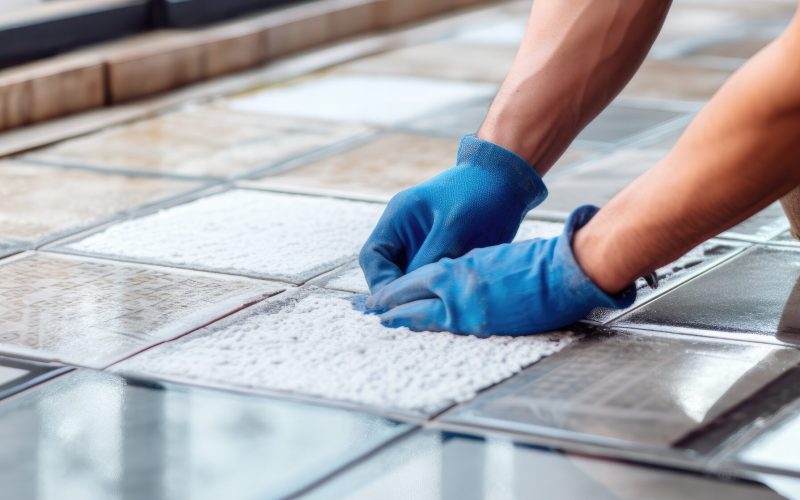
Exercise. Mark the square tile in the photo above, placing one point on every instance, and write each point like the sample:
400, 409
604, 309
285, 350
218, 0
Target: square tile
204, 141
624, 123
508, 33
381, 167
763, 226
753, 296
628, 389
350, 278
39, 203
95, 435
596, 182
774, 448
92, 313
676, 79
313, 343
452, 61
375, 99
247, 232
695, 261
447, 466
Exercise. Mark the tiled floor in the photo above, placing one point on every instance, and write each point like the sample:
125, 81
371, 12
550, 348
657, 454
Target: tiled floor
215, 245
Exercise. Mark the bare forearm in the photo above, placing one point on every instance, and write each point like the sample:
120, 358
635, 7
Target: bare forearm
740, 154
575, 57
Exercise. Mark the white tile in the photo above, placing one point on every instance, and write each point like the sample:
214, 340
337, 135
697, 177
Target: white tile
256, 233
318, 345
372, 99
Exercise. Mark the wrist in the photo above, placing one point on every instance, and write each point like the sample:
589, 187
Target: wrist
595, 252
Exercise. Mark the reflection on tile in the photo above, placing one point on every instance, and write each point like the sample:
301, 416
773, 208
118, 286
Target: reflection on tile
313, 343
18, 374
621, 122
776, 447
254, 233
381, 167
762, 226
696, 260
675, 79
202, 142
429, 465
755, 296
36, 202
598, 181
91, 312
95, 435
477, 63
350, 278
633, 388
502, 34
361, 98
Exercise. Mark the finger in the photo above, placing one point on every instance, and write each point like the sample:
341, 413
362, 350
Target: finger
433, 248
408, 288
421, 315
379, 261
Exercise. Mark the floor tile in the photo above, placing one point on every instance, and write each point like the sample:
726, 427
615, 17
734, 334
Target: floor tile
628, 389
313, 343
695, 261
598, 181
91, 312
501, 34
743, 47
361, 98
206, 141
452, 61
17, 375
254, 233
447, 466
9, 247
764, 225
381, 167
753, 296
785, 238
676, 79
95, 435
38, 203
350, 278
775, 448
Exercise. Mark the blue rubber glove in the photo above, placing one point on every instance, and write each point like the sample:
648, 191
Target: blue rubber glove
478, 203
512, 289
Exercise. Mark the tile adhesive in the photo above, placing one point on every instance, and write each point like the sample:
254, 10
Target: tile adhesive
256, 233
314, 343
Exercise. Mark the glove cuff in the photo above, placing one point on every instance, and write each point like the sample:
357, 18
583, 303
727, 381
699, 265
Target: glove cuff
575, 277
473, 151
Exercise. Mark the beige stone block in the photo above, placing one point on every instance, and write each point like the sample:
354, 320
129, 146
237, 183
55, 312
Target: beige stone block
233, 48
50, 88
153, 64
296, 29
353, 17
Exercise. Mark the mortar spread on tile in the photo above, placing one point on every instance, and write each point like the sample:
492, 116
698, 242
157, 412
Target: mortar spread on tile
320, 346
250, 232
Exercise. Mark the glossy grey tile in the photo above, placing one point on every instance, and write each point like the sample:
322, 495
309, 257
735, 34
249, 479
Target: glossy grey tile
628, 389
695, 261
447, 466
775, 448
95, 435
92, 312
754, 296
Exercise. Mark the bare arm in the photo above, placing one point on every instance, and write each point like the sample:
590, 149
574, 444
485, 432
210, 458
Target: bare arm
575, 58
738, 156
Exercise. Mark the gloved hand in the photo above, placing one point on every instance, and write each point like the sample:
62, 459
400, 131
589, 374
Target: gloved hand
512, 289
478, 203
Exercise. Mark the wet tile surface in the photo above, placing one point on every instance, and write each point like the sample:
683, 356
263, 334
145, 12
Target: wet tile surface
598, 181
785, 238
762, 226
754, 296
94, 435
485, 63
350, 278
40, 202
453, 466
631, 388
775, 447
92, 312
248, 232
381, 167
676, 79
361, 98
207, 141
313, 343
695, 261
17, 374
